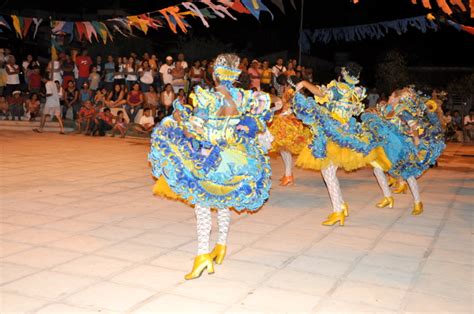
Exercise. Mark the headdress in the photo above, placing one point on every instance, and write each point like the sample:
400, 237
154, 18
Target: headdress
226, 68
350, 73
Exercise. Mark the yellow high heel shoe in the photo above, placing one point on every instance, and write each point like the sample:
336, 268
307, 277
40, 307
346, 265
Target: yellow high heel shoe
392, 181
417, 209
218, 253
201, 262
402, 188
386, 201
335, 218
290, 180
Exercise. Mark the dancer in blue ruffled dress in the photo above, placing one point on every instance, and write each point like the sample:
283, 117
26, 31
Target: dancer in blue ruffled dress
209, 156
339, 141
409, 130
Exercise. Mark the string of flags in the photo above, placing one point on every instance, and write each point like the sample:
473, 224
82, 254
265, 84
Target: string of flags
376, 30
444, 6
173, 17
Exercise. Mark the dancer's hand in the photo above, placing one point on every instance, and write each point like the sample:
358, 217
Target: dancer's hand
300, 86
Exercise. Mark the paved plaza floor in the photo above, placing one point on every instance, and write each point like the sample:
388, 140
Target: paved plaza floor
81, 232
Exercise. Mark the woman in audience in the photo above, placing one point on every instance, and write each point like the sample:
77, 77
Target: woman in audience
116, 97
151, 100
135, 100
71, 100
33, 106
166, 99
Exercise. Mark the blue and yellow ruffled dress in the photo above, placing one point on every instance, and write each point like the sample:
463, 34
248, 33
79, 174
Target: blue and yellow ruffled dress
212, 160
391, 127
337, 137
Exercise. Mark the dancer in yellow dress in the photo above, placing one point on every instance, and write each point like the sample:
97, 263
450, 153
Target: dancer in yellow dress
290, 135
338, 139
210, 157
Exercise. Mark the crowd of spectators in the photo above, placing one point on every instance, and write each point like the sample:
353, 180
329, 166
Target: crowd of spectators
116, 93
459, 129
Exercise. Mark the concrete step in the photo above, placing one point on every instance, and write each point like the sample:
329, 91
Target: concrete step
30, 125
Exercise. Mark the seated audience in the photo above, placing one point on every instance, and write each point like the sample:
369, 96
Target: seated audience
120, 125
146, 124
85, 116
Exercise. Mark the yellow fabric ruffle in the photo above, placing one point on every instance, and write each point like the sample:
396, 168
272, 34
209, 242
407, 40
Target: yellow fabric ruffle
342, 157
161, 188
289, 134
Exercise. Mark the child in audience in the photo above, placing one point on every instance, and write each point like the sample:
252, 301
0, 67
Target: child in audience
120, 125
86, 115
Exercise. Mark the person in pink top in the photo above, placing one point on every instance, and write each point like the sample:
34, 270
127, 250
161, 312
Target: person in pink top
255, 74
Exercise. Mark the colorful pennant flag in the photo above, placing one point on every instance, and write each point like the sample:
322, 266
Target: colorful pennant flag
4, 23
196, 12
17, 21
256, 7
172, 15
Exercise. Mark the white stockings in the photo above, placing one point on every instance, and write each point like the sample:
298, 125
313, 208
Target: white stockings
288, 162
382, 180
414, 189
223, 221
332, 183
204, 226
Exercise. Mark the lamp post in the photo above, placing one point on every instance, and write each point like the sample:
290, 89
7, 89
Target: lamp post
300, 31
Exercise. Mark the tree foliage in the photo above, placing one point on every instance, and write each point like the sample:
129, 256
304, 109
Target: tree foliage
392, 72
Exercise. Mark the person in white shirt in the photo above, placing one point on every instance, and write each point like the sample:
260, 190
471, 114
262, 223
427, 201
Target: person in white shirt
54, 67
184, 64
13, 78
52, 107
278, 69
146, 76
165, 71
146, 123
130, 70
119, 77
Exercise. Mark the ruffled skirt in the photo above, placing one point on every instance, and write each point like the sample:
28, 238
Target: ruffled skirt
229, 175
406, 158
346, 145
289, 134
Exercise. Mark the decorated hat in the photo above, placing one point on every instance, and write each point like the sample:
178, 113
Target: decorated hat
226, 68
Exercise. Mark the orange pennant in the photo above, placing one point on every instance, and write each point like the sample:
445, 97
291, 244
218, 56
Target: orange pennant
444, 6
426, 4
459, 4
173, 11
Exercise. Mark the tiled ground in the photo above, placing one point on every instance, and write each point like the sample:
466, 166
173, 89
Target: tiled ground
81, 232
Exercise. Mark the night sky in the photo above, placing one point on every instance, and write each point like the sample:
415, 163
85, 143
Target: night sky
445, 47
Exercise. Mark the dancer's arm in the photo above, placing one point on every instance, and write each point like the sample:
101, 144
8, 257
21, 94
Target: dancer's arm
278, 103
314, 89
